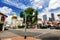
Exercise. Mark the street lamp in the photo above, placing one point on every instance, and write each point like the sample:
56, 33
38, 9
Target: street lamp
25, 25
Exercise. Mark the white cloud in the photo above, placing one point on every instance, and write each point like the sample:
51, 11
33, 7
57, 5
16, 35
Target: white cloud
37, 4
46, 12
6, 10
15, 3
54, 4
40, 15
55, 15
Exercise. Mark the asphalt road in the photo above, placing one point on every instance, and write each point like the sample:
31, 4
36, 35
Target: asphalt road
44, 34
22, 33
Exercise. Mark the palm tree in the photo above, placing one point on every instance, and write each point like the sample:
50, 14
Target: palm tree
22, 15
31, 19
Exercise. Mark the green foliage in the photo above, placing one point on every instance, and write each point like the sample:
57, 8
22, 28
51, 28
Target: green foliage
29, 11
1, 23
31, 19
21, 26
21, 14
35, 17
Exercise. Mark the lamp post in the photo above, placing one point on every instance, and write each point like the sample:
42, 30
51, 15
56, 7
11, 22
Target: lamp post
25, 25
25, 28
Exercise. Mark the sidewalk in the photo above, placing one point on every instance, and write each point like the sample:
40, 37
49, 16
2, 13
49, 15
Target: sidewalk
6, 35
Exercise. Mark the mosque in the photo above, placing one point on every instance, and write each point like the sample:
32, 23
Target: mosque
15, 22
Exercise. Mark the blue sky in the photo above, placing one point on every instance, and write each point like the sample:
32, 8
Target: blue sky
9, 7
44, 7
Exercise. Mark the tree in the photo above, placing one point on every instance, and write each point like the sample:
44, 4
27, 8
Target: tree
22, 16
31, 19
35, 17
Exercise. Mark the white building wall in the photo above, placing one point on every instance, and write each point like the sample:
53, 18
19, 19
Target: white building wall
0, 17
14, 23
56, 17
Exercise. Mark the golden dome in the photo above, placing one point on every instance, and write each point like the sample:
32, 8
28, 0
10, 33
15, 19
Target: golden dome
14, 16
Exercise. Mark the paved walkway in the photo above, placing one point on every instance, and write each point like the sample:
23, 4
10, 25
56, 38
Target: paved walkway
38, 33
15, 34
7, 34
